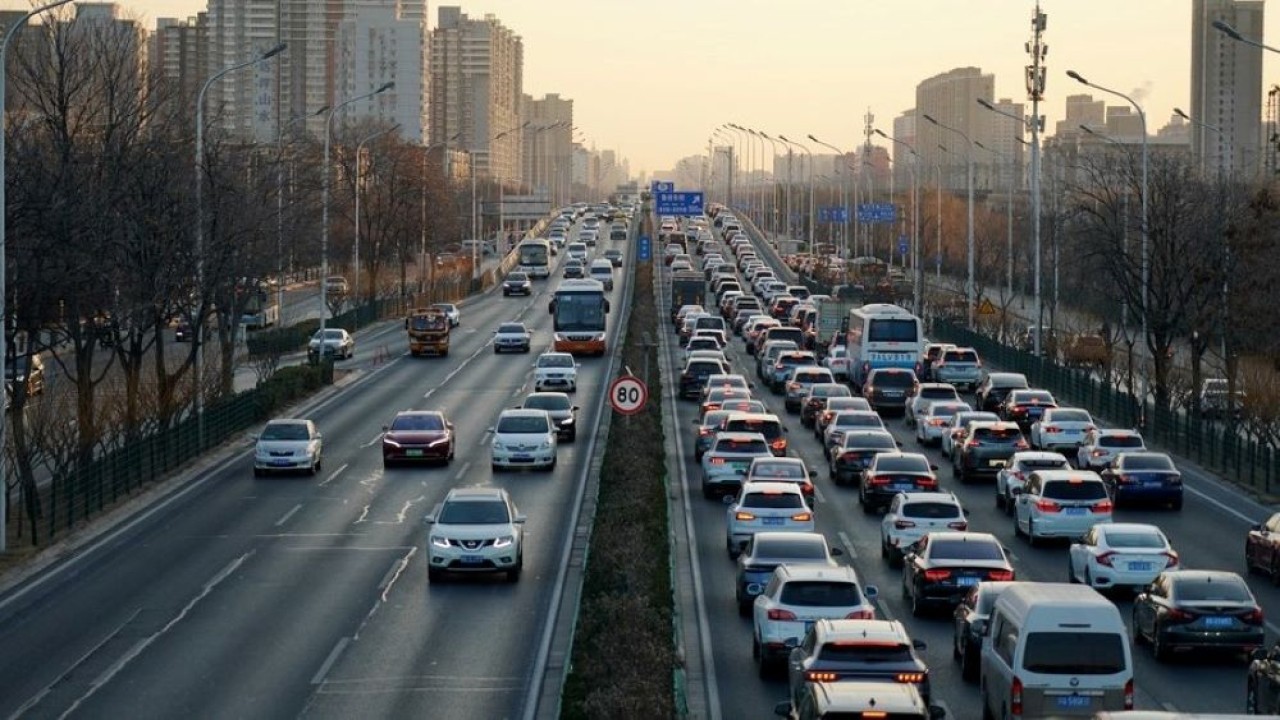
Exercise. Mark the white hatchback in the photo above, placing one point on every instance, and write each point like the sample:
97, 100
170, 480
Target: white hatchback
762, 505
523, 438
288, 444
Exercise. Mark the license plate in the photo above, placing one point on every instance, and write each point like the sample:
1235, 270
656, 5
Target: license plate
413, 453
996, 463
1217, 622
471, 559
281, 462
967, 581
773, 521
903, 487
1152, 484
526, 458
1141, 566
1074, 701
1075, 511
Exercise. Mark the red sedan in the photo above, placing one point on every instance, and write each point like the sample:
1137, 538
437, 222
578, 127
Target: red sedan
417, 436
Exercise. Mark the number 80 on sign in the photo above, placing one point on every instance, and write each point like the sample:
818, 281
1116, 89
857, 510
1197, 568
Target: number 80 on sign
628, 395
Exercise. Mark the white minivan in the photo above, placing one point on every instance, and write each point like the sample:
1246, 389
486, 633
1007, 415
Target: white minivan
1055, 650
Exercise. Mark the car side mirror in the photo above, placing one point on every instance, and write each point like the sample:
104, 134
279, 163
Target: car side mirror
575, 408
813, 474
490, 429
786, 429
319, 436
899, 444
695, 421
837, 552
255, 437
1258, 654
933, 467
385, 428
871, 591
1257, 527
782, 709
919, 645
519, 518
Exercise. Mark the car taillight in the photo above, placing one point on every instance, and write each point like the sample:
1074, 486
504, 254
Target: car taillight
802, 517
878, 480
806, 487
1176, 615
780, 614
1048, 506
1128, 694
717, 461
1050, 429
826, 416
909, 677
815, 676
1105, 506
744, 516
936, 575
973, 443
958, 525
1000, 575
1098, 453
903, 524
779, 444
867, 614
1171, 559
1105, 559
705, 431
1125, 479
1015, 697
927, 483
1254, 616
936, 422
868, 389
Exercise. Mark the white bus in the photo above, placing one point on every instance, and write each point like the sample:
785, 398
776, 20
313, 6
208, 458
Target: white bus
882, 336
535, 257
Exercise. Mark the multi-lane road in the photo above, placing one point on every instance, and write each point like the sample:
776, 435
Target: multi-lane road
308, 597
1208, 533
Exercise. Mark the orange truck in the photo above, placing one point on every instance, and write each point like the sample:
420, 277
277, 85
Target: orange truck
428, 330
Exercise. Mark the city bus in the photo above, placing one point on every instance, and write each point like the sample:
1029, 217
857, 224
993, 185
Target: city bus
881, 335
579, 309
535, 257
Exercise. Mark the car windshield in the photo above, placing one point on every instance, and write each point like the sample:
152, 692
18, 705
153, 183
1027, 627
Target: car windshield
518, 277
806, 377
417, 422
472, 512
893, 330
329, 334
897, 380
944, 411
522, 425
1132, 539
951, 356
1206, 590
1001, 380
854, 652
857, 418
548, 402
931, 510
1075, 490
789, 471
714, 418
871, 441
1074, 653
820, 593
1147, 462
965, 550
825, 391
772, 500
285, 431
555, 361
769, 428
744, 447
780, 550
1070, 416
1042, 463
511, 328
902, 463
846, 404
1030, 397
936, 393
1120, 441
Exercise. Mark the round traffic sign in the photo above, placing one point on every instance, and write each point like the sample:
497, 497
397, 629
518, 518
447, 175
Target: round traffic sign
628, 395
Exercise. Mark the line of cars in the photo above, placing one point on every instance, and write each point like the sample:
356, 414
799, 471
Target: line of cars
1065, 648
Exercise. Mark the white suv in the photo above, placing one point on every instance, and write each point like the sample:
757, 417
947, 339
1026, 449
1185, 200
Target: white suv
763, 505
795, 598
523, 438
475, 529
912, 515
555, 371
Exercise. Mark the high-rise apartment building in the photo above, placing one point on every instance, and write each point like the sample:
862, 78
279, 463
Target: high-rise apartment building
377, 44
951, 98
477, 69
904, 129
244, 103
1082, 110
1004, 168
179, 53
548, 146
1226, 87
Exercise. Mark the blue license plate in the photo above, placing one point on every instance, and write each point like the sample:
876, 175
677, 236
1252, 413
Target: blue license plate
471, 559
1217, 622
281, 462
1141, 566
1076, 511
773, 521
967, 581
1074, 701
1152, 484
904, 487
522, 457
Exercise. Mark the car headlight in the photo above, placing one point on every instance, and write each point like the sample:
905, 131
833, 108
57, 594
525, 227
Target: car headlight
504, 541
546, 445
567, 421
441, 441
439, 542
389, 441
498, 445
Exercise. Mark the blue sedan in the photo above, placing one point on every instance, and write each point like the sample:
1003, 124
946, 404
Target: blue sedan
1144, 478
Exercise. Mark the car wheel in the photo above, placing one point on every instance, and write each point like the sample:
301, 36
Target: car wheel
708, 492
496, 350
513, 575
1176, 505
986, 708
434, 575
1274, 572
1088, 577
1017, 529
496, 468
917, 608
1138, 637
258, 472
755, 648
744, 610
999, 499
867, 508
1031, 532
764, 668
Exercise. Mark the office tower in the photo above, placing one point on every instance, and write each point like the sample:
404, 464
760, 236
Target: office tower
951, 98
1226, 87
548, 146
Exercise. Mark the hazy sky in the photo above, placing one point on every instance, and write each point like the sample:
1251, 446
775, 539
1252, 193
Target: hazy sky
653, 79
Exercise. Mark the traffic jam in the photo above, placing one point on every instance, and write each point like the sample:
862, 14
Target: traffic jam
796, 399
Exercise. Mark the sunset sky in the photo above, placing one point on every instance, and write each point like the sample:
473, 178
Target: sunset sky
652, 79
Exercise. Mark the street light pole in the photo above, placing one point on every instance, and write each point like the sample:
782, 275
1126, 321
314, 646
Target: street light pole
917, 253
812, 215
773, 199
197, 345
4, 278
280, 210
324, 202
1008, 223
844, 195
359, 153
970, 289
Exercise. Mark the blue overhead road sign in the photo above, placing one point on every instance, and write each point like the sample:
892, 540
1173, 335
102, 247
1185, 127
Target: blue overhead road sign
833, 214
902, 245
678, 203
877, 213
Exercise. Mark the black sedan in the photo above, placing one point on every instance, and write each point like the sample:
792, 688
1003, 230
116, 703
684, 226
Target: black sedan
941, 567
970, 625
856, 451
1198, 610
564, 414
1144, 477
893, 473
859, 651
517, 283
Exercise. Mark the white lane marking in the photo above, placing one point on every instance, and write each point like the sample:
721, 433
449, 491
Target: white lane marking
35, 699
484, 438
1170, 707
376, 439
334, 474
364, 515
141, 646
404, 511
397, 571
1220, 505
848, 546
818, 496
463, 472
285, 518
329, 661
428, 393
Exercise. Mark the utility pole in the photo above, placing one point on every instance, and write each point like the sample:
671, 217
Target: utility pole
1035, 93
868, 127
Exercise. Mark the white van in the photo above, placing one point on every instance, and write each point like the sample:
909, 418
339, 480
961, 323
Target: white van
1055, 650
602, 270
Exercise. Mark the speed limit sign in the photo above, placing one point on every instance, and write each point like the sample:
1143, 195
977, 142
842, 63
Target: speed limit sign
628, 395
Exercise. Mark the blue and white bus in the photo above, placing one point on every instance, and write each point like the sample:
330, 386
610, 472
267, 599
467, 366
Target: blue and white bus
882, 336
535, 257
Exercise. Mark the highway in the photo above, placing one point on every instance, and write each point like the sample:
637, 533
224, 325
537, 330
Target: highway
308, 596
1208, 533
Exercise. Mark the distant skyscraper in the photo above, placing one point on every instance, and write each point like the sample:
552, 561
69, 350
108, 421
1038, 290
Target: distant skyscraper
376, 45
1005, 169
1226, 86
477, 69
952, 99
548, 145
904, 129
244, 103
178, 52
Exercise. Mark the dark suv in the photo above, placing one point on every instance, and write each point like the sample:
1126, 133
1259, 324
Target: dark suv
987, 449
889, 388
695, 375
995, 387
